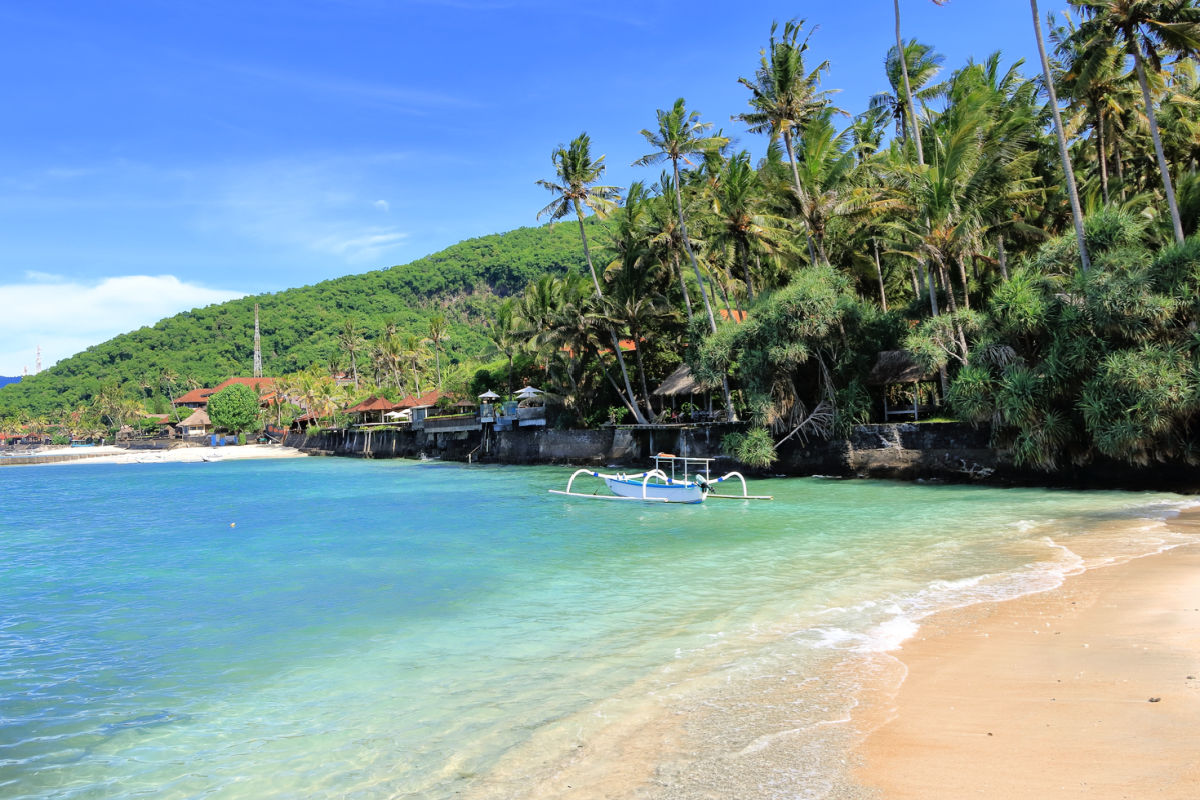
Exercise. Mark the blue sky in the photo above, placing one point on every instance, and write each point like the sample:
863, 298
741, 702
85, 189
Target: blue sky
163, 154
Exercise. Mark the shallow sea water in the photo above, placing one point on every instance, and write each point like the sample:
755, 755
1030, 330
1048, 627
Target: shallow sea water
395, 629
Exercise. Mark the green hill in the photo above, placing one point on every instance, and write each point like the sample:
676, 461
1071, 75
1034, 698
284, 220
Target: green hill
299, 326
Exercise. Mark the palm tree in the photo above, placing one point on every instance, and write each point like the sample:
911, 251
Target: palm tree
1064, 155
829, 181
351, 340
1149, 29
412, 350
665, 242
505, 336
437, 335
167, 378
740, 219
783, 94
577, 174
1095, 78
680, 134
908, 97
921, 64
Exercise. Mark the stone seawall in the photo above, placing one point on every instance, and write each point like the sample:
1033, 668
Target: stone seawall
904, 451
947, 451
458, 446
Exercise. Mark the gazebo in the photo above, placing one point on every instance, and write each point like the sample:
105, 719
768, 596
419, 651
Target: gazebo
681, 383
372, 406
899, 368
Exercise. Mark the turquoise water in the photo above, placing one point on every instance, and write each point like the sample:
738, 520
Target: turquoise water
345, 628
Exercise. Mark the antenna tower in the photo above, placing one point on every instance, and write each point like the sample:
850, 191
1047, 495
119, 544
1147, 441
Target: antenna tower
257, 346
37, 365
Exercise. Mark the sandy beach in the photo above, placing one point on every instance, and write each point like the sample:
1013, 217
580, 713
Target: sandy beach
1090, 690
110, 454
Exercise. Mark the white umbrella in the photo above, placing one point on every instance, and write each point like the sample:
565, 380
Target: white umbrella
489, 395
529, 391
394, 414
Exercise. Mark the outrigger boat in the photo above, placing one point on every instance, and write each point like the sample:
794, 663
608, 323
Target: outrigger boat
689, 481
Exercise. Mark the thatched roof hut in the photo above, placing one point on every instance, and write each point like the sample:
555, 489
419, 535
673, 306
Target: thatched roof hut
897, 366
198, 423
679, 382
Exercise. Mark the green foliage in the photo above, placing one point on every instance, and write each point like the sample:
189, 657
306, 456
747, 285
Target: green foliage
234, 408
754, 448
1103, 363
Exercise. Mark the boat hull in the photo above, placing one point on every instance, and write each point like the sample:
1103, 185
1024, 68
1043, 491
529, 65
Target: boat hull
669, 492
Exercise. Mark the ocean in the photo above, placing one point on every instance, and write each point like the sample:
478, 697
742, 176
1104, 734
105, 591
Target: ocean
342, 628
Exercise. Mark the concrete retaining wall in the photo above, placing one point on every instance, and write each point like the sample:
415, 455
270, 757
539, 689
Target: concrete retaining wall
905, 451
946, 451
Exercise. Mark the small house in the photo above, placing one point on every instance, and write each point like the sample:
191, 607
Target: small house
197, 424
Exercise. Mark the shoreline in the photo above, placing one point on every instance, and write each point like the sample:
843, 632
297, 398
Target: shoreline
1091, 690
112, 454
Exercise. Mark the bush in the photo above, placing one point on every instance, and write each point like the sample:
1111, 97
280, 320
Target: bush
234, 408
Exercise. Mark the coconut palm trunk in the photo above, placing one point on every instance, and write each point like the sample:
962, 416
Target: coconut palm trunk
879, 275
1102, 157
687, 298
914, 132
712, 322
1072, 192
1136, 50
787, 144
616, 342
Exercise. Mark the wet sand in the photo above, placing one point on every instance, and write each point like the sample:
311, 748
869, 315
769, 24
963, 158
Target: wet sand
1090, 690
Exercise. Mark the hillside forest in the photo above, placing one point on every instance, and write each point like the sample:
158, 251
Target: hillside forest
1027, 232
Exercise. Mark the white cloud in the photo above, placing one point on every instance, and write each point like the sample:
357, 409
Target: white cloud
64, 317
314, 204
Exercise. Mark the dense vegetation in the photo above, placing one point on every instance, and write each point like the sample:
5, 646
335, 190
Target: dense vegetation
1024, 235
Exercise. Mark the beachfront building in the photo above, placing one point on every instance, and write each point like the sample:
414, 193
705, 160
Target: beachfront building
193, 399
197, 424
373, 410
198, 398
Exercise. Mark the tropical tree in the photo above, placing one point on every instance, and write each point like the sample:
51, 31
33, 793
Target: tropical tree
438, 333
784, 93
740, 218
412, 351
1093, 75
908, 96
576, 173
505, 335
234, 408
1149, 31
167, 379
352, 343
680, 134
921, 65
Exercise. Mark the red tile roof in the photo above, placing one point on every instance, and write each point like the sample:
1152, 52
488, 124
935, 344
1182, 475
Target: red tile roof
195, 396
427, 399
373, 404
260, 385
738, 314
264, 387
